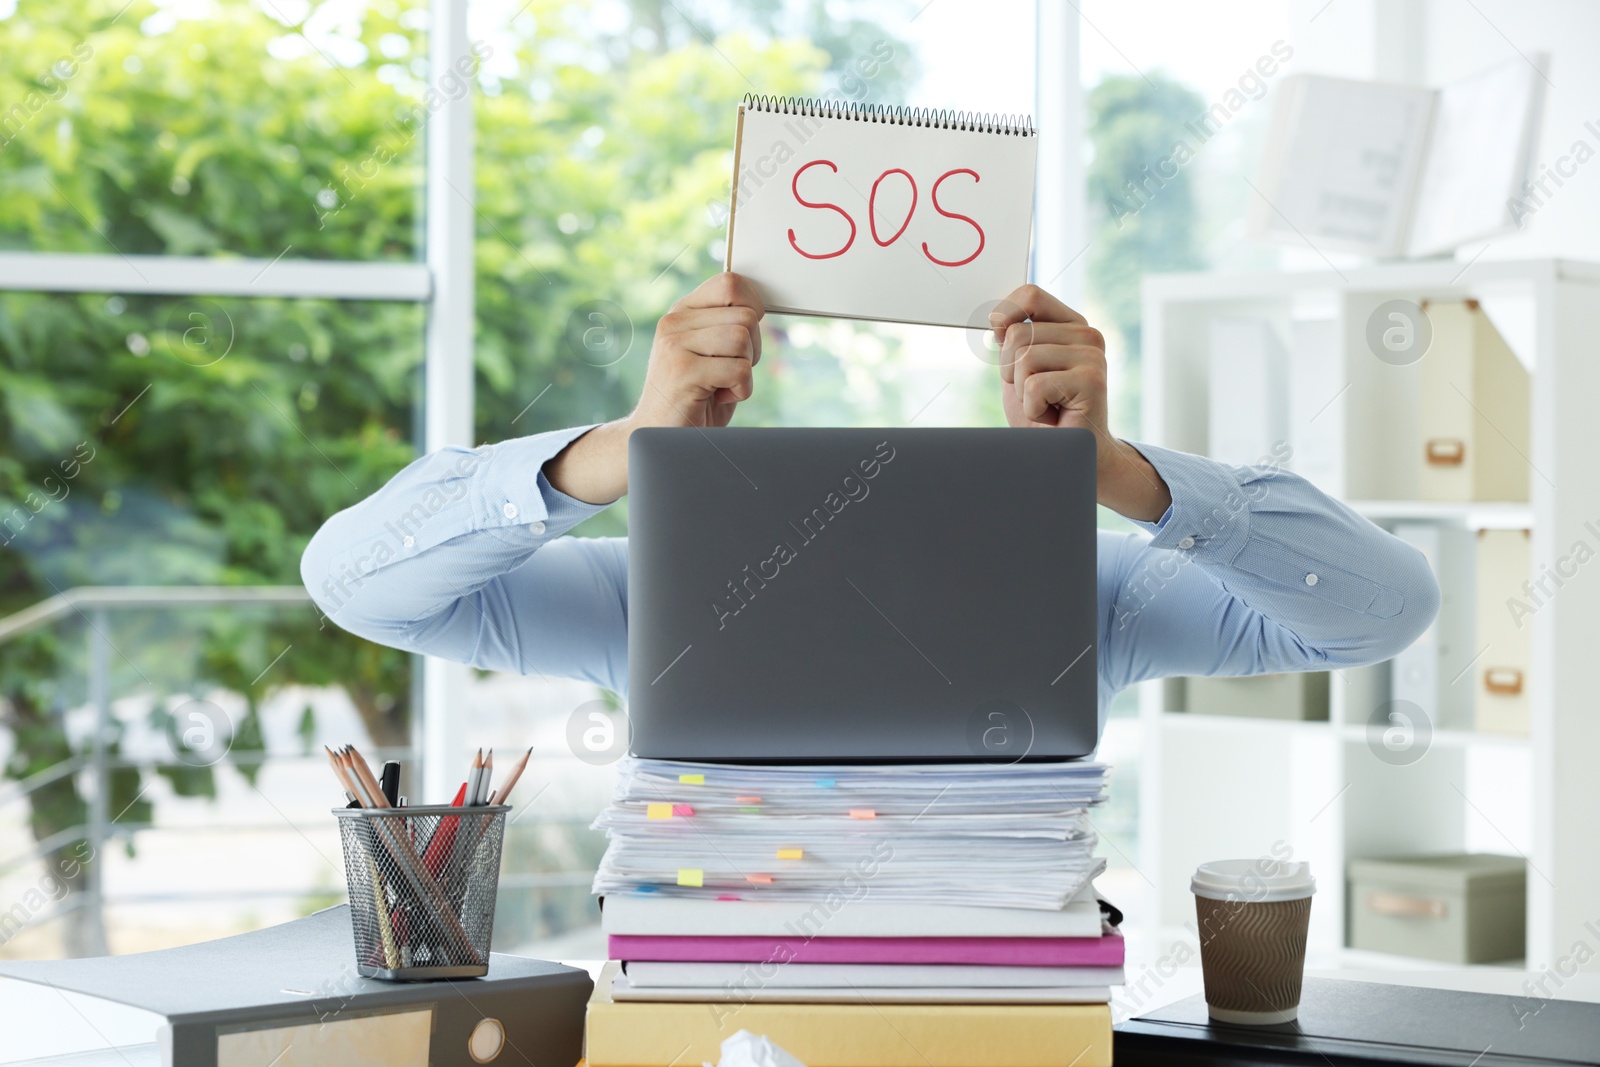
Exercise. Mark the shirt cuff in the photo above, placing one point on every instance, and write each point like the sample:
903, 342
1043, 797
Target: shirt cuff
513, 498
1210, 512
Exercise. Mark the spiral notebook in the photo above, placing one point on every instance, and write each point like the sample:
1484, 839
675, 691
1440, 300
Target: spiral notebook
884, 213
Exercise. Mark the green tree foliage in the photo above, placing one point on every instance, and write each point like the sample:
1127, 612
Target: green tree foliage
173, 440
1141, 198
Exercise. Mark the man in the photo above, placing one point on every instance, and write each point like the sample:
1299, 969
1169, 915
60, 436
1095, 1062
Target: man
1244, 569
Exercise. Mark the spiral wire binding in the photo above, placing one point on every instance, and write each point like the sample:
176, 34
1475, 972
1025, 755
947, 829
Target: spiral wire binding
893, 114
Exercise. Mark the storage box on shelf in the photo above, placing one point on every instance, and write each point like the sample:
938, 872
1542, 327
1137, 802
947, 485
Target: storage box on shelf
1503, 761
1300, 697
1466, 908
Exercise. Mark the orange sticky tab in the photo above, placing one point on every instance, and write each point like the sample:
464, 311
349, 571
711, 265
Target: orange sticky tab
791, 853
692, 876
658, 811
759, 879
863, 813
682, 810
692, 779
747, 800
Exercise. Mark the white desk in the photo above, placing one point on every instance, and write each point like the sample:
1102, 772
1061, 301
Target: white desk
45, 1026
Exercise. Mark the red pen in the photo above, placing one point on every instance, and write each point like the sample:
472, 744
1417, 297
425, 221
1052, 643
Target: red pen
444, 838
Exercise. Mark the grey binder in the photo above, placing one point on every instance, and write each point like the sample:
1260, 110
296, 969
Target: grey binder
527, 1013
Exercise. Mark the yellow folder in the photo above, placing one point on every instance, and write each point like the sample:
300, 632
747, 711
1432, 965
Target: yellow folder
648, 1034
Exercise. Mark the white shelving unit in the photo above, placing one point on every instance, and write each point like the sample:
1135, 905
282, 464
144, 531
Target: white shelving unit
1213, 786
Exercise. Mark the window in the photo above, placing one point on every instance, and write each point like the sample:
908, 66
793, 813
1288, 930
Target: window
211, 337
259, 180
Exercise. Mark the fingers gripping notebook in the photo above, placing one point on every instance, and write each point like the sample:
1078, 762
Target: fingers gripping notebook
869, 212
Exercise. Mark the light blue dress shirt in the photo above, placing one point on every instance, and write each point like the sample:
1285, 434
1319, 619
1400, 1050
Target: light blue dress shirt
1252, 570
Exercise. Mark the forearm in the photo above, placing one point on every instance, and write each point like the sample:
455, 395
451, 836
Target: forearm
1127, 483
594, 468
470, 515
1321, 585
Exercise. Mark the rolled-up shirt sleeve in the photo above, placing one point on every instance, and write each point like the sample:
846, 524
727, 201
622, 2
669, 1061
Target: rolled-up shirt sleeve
1255, 570
461, 555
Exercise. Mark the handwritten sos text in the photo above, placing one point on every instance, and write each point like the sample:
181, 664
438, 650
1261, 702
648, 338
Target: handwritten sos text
897, 174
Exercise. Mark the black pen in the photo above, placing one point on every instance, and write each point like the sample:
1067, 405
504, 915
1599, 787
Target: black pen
390, 782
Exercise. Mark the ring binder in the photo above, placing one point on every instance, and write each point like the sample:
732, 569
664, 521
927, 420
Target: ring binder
894, 114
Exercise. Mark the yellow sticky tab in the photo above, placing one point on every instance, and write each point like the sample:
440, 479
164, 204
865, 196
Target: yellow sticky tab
791, 853
691, 876
692, 779
658, 811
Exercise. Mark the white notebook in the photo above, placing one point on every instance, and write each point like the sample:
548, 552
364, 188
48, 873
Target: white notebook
655, 914
622, 989
870, 212
656, 974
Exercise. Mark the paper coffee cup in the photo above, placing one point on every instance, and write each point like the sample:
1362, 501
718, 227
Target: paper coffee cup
1253, 916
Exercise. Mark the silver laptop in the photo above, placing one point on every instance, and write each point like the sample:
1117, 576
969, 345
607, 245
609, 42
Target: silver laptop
862, 595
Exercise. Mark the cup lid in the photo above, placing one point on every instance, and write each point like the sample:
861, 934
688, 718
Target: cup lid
1260, 879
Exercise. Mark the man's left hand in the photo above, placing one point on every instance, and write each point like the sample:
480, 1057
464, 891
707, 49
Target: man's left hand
1053, 373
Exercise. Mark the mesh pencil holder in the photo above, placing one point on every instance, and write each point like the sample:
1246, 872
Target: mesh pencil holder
422, 885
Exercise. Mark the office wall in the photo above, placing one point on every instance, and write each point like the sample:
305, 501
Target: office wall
1461, 38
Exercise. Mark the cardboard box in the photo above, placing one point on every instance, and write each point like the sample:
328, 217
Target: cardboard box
1459, 908
1474, 417
1505, 631
1300, 695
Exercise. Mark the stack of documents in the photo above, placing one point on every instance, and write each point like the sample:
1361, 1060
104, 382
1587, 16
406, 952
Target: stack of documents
848, 900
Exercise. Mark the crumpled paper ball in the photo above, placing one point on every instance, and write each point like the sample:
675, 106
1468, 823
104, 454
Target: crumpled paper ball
745, 1049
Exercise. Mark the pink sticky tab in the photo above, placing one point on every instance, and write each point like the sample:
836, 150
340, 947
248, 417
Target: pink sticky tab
863, 813
727, 896
682, 810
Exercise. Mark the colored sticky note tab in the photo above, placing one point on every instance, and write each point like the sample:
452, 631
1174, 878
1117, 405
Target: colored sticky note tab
691, 876
751, 811
658, 811
692, 779
647, 889
791, 853
826, 783
759, 879
863, 813
682, 810
747, 800
726, 896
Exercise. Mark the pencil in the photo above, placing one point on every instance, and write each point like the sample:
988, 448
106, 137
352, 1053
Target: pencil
483, 783
474, 778
504, 791
391, 958
406, 859
367, 778
339, 772
359, 787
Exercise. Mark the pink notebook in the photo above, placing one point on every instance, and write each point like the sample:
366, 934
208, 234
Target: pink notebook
999, 951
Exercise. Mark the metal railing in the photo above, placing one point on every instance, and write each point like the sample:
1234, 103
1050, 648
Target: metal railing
94, 605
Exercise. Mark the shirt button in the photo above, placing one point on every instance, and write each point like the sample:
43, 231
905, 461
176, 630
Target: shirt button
409, 541
537, 526
509, 511
1311, 579
1187, 542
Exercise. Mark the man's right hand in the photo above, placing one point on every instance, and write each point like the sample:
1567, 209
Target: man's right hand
700, 364
700, 369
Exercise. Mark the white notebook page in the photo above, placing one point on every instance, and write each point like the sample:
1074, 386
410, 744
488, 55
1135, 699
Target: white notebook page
948, 234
